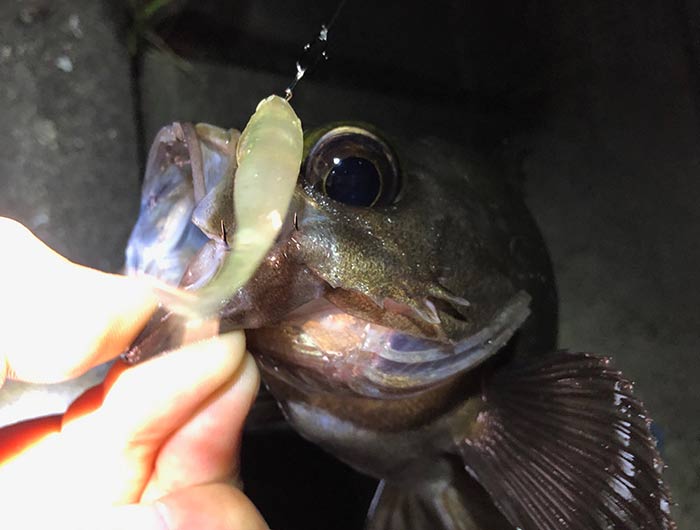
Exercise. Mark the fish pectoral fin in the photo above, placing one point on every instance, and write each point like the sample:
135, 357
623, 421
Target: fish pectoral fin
454, 503
562, 443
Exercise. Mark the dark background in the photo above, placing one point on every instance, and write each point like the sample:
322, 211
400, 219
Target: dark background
593, 104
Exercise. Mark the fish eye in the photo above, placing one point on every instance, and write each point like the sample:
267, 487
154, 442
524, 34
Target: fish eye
353, 166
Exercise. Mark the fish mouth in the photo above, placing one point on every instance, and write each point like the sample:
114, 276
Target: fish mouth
296, 324
321, 347
298, 335
186, 200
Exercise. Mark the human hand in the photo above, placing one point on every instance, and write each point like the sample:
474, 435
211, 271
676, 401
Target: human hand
155, 446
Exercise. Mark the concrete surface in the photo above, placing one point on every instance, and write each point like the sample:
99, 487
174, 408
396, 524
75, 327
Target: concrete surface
612, 177
227, 96
68, 155
611, 162
68, 160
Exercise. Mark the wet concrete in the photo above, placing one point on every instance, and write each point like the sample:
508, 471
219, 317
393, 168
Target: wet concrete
612, 177
610, 157
68, 150
68, 158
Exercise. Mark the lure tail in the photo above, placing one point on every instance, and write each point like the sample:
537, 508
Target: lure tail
562, 443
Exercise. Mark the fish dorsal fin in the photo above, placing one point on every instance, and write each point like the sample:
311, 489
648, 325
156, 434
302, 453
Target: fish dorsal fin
563, 444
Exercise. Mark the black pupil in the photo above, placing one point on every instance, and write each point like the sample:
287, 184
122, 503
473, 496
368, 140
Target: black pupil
354, 181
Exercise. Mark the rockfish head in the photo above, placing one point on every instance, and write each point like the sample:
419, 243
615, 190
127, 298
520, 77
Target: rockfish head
399, 264
399, 276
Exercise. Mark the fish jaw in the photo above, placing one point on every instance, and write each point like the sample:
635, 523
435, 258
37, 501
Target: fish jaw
389, 269
367, 265
186, 187
322, 348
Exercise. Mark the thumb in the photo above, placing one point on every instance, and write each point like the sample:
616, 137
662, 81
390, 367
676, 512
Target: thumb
210, 506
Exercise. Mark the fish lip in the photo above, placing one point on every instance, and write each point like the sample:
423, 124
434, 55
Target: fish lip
375, 369
501, 328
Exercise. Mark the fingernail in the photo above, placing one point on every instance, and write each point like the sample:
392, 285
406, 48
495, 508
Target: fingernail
249, 376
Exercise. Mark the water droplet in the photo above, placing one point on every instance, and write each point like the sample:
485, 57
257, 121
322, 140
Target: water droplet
74, 26
64, 63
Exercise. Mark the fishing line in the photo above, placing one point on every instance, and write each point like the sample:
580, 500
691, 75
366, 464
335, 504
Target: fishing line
314, 51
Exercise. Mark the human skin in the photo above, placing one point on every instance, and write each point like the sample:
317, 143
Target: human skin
156, 446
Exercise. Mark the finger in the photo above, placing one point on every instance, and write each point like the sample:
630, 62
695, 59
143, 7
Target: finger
143, 406
60, 319
206, 448
210, 506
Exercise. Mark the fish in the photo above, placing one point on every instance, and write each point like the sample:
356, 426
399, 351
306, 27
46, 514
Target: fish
404, 318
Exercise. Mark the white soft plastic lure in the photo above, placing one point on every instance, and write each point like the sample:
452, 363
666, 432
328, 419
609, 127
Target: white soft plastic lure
269, 156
